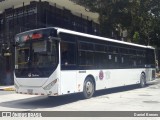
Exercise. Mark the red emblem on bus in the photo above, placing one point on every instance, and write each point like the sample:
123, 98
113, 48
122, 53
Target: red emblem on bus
101, 75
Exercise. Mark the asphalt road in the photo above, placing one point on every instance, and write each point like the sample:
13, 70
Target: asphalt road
131, 98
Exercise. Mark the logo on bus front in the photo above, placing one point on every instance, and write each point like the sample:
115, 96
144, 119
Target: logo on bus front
101, 75
32, 75
29, 75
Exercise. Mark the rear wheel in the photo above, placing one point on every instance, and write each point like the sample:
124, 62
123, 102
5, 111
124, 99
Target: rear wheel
88, 88
143, 80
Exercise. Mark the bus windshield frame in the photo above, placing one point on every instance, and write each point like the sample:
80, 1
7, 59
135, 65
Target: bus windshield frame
36, 53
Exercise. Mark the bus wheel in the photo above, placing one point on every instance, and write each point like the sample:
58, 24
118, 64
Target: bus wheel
143, 80
88, 88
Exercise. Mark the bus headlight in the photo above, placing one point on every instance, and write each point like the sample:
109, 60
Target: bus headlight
50, 85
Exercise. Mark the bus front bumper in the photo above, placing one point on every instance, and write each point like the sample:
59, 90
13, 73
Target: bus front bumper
35, 91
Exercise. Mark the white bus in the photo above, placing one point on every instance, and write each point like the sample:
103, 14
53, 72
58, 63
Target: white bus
54, 61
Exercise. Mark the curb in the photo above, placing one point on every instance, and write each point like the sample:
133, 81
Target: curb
7, 89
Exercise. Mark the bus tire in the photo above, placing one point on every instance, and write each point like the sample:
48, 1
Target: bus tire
142, 80
88, 88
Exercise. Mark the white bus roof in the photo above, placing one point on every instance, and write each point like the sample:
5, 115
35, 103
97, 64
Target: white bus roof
61, 30
100, 38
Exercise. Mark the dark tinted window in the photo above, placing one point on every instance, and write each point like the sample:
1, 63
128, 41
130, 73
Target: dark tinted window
68, 53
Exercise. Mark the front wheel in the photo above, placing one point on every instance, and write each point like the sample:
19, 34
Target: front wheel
143, 80
88, 88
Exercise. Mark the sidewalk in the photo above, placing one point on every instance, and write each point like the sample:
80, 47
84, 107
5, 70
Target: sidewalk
7, 88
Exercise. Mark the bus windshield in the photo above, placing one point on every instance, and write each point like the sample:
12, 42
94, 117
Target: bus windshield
38, 57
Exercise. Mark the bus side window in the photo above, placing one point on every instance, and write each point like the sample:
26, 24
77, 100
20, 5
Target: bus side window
68, 53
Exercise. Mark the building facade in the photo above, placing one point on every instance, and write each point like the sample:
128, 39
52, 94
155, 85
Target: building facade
37, 14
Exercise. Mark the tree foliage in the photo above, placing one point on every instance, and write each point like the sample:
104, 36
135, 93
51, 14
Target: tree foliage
141, 18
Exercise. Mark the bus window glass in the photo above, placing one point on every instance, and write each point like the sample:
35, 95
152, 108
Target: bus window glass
86, 54
68, 53
23, 57
37, 55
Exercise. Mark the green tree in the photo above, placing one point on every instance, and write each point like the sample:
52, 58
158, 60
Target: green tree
141, 18
136, 37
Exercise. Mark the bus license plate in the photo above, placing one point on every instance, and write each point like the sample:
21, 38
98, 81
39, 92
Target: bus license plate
30, 91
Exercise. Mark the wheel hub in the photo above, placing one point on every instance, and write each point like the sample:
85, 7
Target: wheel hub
89, 87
